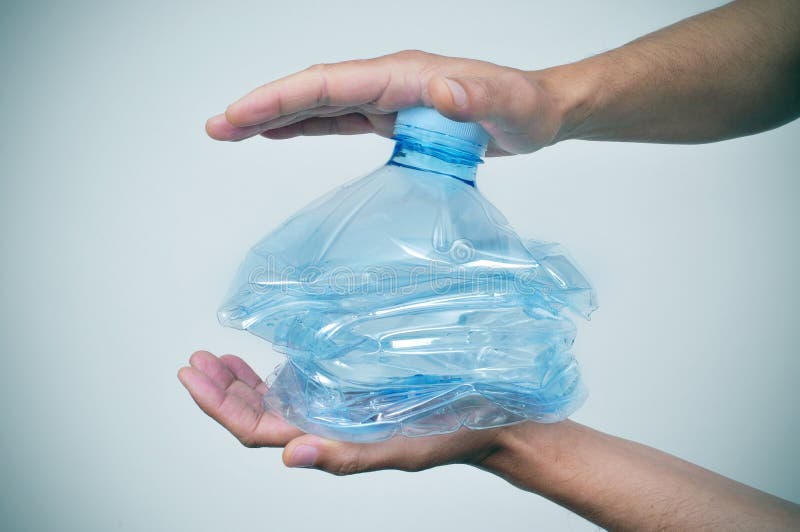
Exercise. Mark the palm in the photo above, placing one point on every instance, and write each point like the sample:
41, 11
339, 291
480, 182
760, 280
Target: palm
228, 390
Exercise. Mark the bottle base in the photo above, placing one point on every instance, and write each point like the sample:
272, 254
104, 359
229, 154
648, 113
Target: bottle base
411, 411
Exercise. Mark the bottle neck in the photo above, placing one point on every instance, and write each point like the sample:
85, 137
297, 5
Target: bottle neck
411, 152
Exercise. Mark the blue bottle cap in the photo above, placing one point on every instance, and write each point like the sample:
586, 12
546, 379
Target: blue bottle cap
430, 120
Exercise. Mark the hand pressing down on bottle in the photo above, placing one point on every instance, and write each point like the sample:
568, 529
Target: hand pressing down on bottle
516, 108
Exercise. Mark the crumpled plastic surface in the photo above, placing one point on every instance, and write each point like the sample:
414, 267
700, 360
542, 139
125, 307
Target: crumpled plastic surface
406, 304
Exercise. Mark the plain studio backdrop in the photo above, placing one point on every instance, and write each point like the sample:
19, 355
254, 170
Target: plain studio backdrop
122, 225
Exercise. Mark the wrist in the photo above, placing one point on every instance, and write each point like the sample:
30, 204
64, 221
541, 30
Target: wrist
535, 456
574, 90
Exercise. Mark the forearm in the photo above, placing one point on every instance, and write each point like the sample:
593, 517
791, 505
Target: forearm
620, 484
725, 73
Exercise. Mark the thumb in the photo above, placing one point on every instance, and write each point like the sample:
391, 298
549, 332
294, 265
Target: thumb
344, 458
399, 452
508, 105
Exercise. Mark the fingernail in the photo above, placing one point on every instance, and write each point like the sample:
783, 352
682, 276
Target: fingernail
303, 456
456, 92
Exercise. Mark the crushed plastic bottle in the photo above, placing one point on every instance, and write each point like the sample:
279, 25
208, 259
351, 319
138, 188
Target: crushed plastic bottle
406, 304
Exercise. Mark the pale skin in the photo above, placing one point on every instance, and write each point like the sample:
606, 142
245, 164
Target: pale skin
729, 72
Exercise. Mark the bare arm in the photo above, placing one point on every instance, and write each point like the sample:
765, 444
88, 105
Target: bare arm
729, 72
725, 73
613, 482
622, 485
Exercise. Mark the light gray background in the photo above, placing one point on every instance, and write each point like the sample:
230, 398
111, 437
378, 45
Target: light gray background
122, 224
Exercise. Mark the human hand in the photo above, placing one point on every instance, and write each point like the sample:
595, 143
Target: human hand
230, 392
613, 482
519, 109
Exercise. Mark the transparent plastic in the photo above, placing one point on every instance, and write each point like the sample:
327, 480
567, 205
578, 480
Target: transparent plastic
406, 304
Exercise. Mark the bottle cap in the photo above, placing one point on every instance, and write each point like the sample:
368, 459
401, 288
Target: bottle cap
429, 119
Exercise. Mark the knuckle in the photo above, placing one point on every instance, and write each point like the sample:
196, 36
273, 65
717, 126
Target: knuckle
513, 77
322, 71
345, 468
319, 68
411, 54
348, 466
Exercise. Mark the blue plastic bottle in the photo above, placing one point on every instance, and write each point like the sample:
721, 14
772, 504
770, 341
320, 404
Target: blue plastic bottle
406, 304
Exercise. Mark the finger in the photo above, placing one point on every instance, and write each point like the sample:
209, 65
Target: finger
382, 125
241, 370
343, 458
206, 393
218, 128
230, 411
252, 427
222, 374
352, 124
504, 95
407, 454
390, 82
213, 367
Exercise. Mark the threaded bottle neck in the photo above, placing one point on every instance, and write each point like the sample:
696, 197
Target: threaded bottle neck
437, 153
